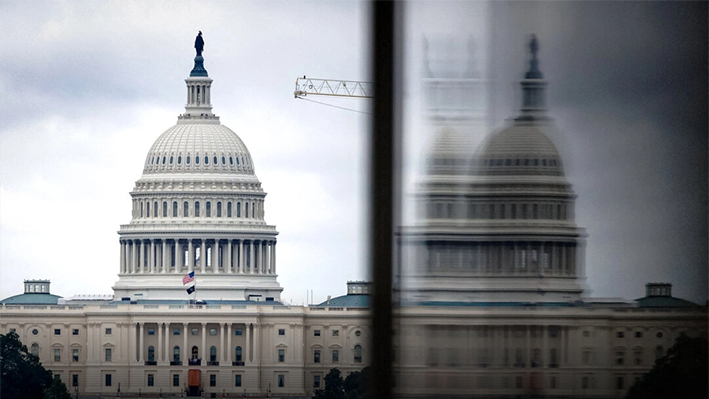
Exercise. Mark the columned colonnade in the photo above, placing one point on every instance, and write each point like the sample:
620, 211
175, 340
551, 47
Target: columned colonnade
239, 256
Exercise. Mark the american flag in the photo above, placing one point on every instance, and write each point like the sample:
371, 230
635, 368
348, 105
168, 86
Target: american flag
188, 278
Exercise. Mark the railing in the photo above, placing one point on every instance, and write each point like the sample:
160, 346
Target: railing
237, 363
175, 363
210, 363
194, 362
151, 363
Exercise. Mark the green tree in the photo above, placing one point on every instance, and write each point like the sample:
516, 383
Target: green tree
21, 373
57, 391
334, 386
682, 373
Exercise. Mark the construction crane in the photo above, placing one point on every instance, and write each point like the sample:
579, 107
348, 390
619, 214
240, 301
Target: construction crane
331, 87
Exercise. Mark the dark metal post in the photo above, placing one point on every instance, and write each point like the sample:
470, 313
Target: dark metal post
383, 155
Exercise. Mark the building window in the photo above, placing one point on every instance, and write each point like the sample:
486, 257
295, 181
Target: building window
584, 382
620, 334
209, 209
74, 331
155, 209
195, 331
57, 377
518, 382
335, 333
316, 333
219, 209
175, 380
553, 361
108, 354
316, 382
176, 354
228, 209
619, 358
238, 209
57, 331
552, 382
638, 334
75, 355
108, 331
174, 209
358, 354
586, 357
35, 331
75, 380
151, 331
638, 357
237, 380
34, 349
196, 209
151, 380
151, 353
246, 213
238, 353
659, 334
620, 383
659, 352
213, 354
164, 209
316, 356
238, 332
281, 380
335, 356
281, 331
185, 211
57, 355
108, 380
212, 331
212, 380
281, 355
586, 333
176, 331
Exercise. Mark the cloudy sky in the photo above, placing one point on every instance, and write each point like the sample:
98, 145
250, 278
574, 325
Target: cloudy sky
88, 86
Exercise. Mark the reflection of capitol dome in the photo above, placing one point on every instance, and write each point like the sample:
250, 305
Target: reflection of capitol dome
504, 230
198, 207
519, 150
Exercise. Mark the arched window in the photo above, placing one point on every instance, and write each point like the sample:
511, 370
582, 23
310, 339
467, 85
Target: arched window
141, 209
519, 357
231, 160
659, 352
195, 353
215, 160
151, 353
176, 354
358, 354
186, 210
228, 209
213, 354
163, 160
253, 210
155, 209
179, 159
223, 160
174, 209
238, 209
219, 209
247, 210
171, 159
147, 209
206, 160
209, 209
34, 349
238, 353
164, 209
188, 160
196, 209
237, 161
196, 160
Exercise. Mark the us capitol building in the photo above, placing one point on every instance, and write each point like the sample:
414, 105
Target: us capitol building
492, 302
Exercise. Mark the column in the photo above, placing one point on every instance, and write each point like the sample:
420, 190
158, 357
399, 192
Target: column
165, 258
141, 338
274, 257
247, 350
228, 344
240, 265
529, 352
264, 257
122, 266
251, 256
221, 344
545, 346
229, 257
256, 342
216, 260
203, 349
167, 342
203, 256
190, 255
152, 258
562, 349
179, 256
184, 353
159, 357
562, 265
142, 257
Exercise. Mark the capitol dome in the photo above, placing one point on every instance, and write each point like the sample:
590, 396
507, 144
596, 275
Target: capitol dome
198, 146
198, 210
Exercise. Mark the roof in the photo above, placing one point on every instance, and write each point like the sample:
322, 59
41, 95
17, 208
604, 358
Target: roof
32, 299
664, 302
349, 301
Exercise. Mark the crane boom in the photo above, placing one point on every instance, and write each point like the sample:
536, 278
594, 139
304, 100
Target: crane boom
331, 87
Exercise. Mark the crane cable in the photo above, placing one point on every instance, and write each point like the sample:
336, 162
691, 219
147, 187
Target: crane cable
335, 106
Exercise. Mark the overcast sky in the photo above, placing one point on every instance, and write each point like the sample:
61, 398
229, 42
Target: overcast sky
88, 86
